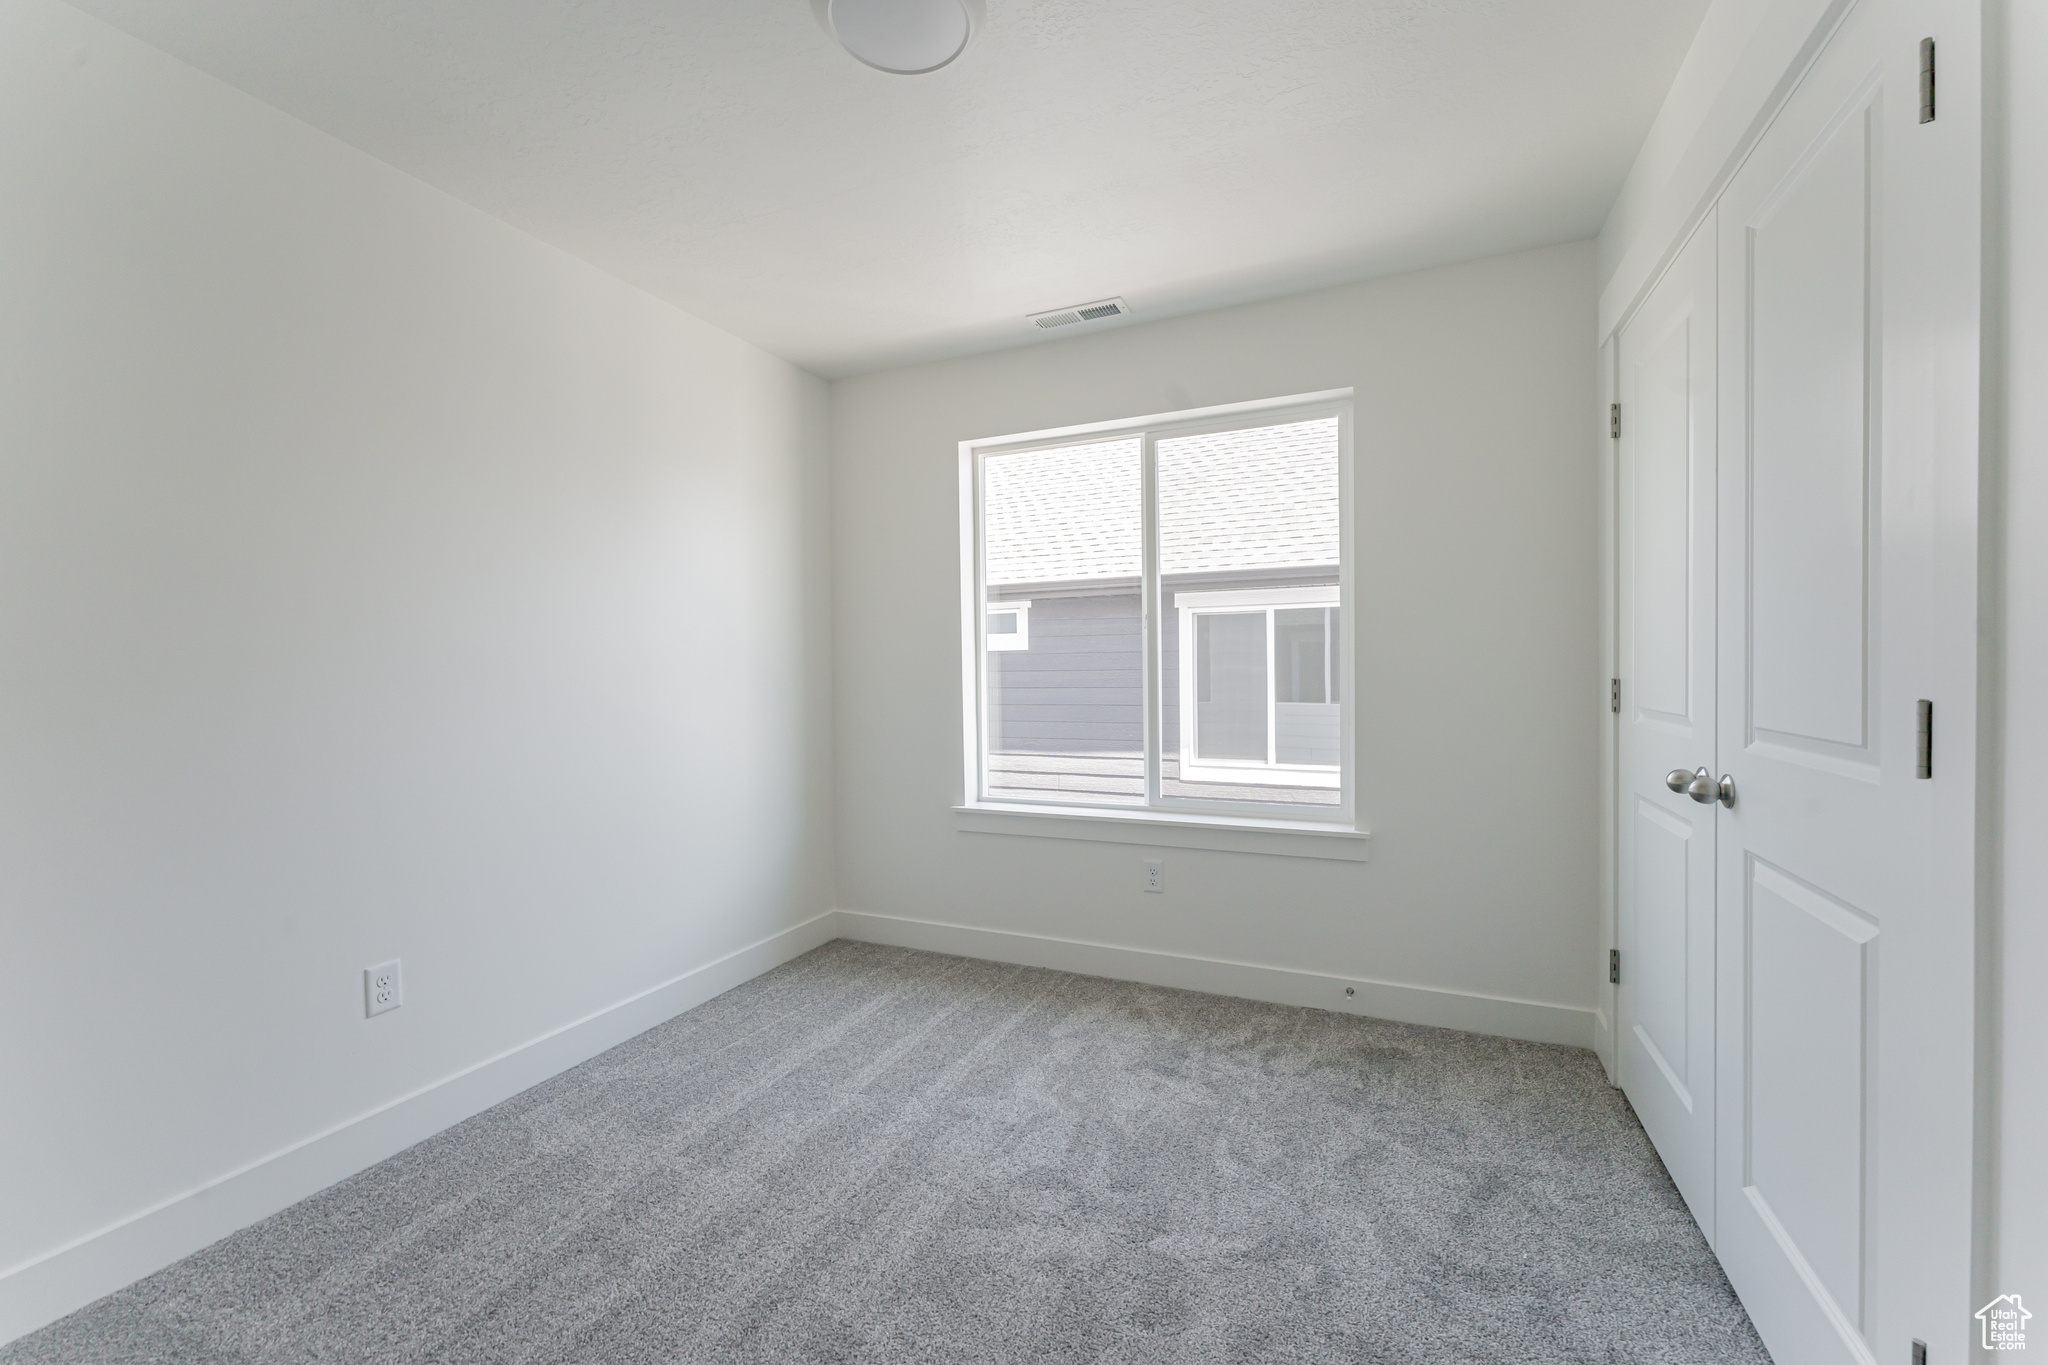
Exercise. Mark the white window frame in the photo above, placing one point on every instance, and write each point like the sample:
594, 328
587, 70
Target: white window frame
1246, 602
1021, 638
1157, 810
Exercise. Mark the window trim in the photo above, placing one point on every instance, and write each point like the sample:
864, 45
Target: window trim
1164, 829
1149, 430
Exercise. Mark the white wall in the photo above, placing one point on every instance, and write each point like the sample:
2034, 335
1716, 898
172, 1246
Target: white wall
374, 582
1745, 57
1715, 55
1477, 479
2017, 39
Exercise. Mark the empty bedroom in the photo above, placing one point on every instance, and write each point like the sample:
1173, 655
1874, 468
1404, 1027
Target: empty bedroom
1023, 680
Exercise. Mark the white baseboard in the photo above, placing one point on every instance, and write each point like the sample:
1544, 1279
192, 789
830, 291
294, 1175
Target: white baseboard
1507, 1018
62, 1281
1603, 1043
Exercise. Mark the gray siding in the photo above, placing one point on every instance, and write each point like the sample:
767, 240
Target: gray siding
1079, 688
1067, 715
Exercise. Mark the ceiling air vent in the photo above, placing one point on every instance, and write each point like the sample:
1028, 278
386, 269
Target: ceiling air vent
1081, 312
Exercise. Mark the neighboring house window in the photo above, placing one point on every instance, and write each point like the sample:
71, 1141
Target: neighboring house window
1161, 612
1009, 625
1260, 703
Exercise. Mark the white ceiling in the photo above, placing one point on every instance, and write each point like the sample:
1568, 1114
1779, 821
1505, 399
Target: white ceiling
727, 156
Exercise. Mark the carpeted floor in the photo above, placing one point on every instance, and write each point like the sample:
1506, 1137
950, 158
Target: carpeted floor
885, 1156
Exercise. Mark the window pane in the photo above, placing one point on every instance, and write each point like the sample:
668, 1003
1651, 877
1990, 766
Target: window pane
1064, 718
1308, 725
1230, 686
1299, 654
1245, 515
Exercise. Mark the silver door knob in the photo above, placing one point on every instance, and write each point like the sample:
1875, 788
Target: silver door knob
1701, 786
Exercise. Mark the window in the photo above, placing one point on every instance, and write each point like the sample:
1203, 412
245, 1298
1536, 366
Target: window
1009, 625
1159, 610
1260, 698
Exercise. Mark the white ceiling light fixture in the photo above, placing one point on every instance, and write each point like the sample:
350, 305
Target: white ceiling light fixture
901, 37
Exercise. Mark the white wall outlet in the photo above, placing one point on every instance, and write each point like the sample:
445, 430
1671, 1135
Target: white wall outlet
383, 987
1155, 875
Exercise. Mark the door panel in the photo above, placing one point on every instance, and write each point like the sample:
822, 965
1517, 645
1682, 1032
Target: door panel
1823, 857
1810, 505
1664, 467
1796, 851
1663, 883
1665, 1003
1809, 969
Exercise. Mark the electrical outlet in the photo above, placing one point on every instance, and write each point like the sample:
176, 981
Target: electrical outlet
383, 987
1155, 875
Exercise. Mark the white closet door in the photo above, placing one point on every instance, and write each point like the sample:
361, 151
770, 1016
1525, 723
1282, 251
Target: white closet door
1825, 890
1665, 891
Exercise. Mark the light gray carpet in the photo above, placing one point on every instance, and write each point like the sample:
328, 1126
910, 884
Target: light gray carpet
884, 1156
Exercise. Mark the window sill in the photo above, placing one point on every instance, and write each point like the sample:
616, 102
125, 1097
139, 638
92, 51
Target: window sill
1160, 829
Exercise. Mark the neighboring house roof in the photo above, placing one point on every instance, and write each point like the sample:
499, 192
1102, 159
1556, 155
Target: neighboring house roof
1263, 498
1054, 515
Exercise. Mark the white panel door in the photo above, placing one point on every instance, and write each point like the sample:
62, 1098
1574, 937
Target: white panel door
1824, 855
1665, 891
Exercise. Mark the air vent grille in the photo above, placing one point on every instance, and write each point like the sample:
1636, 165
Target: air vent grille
1081, 312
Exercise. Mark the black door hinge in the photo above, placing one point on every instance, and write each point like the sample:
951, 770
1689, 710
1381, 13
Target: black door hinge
1614, 966
1923, 746
1614, 421
1927, 80
1614, 695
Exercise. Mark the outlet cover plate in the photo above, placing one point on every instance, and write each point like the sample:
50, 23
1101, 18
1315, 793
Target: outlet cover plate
383, 987
1155, 876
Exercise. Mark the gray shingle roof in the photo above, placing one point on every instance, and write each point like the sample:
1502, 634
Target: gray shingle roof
1056, 515
1261, 498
